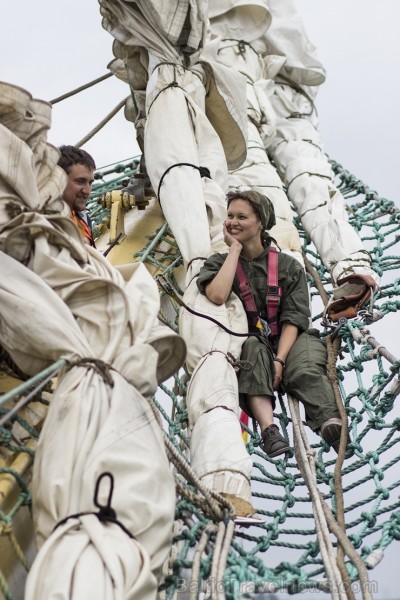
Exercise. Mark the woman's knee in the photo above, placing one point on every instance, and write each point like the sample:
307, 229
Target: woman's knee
307, 356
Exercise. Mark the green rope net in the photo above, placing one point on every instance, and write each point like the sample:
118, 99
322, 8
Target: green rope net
283, 553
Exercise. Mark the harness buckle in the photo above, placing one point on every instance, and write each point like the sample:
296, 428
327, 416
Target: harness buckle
273, 290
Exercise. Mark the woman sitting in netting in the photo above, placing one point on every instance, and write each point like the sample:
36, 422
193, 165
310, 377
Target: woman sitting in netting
273, 289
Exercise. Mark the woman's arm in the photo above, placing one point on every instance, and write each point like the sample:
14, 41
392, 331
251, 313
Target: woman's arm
218, 290
287, 339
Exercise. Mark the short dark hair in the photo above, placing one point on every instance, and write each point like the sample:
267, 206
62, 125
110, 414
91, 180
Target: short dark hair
71, 155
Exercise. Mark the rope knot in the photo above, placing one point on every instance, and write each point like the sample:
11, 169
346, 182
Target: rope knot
238, 364
5, 528
395, 525
205, 172
5, 436
106, 512
14, 209
102, 368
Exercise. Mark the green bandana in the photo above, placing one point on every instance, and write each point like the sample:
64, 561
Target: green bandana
267, 212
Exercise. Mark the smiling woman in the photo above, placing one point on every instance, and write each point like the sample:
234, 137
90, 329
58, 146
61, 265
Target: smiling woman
279, 353
243, 224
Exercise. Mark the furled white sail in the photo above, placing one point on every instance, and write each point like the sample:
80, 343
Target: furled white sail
298, 154
194, 120
193, 110
189, 108
282, 74
218, 454
62, 299
236, 50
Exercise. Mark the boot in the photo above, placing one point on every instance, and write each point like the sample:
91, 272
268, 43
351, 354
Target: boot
331, 431
273, 443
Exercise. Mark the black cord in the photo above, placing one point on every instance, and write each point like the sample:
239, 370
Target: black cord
105, 513
170, 290
204, 172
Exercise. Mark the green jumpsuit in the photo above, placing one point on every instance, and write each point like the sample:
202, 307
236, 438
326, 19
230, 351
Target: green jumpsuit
304, 376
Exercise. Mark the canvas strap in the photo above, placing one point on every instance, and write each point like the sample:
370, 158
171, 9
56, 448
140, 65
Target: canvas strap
273, 293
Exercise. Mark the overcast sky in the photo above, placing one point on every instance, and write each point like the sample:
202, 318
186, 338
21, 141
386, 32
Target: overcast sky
50, 47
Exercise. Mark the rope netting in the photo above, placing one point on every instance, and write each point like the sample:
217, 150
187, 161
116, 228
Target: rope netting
283, 552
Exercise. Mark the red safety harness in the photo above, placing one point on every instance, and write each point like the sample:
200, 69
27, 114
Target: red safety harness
272, 297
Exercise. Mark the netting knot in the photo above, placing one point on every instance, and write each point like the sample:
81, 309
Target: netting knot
396, 423
5, 436
372, 456
356, 540
313, 549
369, 518
395, 525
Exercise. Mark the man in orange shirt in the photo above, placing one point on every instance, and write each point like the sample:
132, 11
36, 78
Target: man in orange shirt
79, 167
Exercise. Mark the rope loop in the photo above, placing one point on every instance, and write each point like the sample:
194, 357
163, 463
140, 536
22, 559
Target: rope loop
204, 172
102, 368
105, 513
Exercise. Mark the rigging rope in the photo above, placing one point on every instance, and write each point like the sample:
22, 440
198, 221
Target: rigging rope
102, 123
81, 88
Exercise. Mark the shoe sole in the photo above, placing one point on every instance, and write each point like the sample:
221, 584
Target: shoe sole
331, 434
278, 452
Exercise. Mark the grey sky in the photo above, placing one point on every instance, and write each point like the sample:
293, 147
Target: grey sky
358, 44
50, 48
56, 46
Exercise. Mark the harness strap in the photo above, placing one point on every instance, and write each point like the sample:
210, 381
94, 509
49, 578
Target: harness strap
273, 295
245, 292
274, 292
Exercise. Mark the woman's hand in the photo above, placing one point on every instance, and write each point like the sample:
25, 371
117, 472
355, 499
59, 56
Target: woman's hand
287, 339
276, 382
218, 290
229, 239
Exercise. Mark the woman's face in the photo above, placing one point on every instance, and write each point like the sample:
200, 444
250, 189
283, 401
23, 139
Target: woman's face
242, 222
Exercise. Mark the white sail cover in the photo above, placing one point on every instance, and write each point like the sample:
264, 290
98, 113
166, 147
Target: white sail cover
285, 118
297, 149
192, 110
62, 299
236, 51
218, 454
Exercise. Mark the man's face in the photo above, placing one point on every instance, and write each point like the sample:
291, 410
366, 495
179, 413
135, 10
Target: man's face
80, 179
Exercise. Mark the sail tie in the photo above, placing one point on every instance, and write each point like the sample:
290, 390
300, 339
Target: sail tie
105, 513
204, 172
